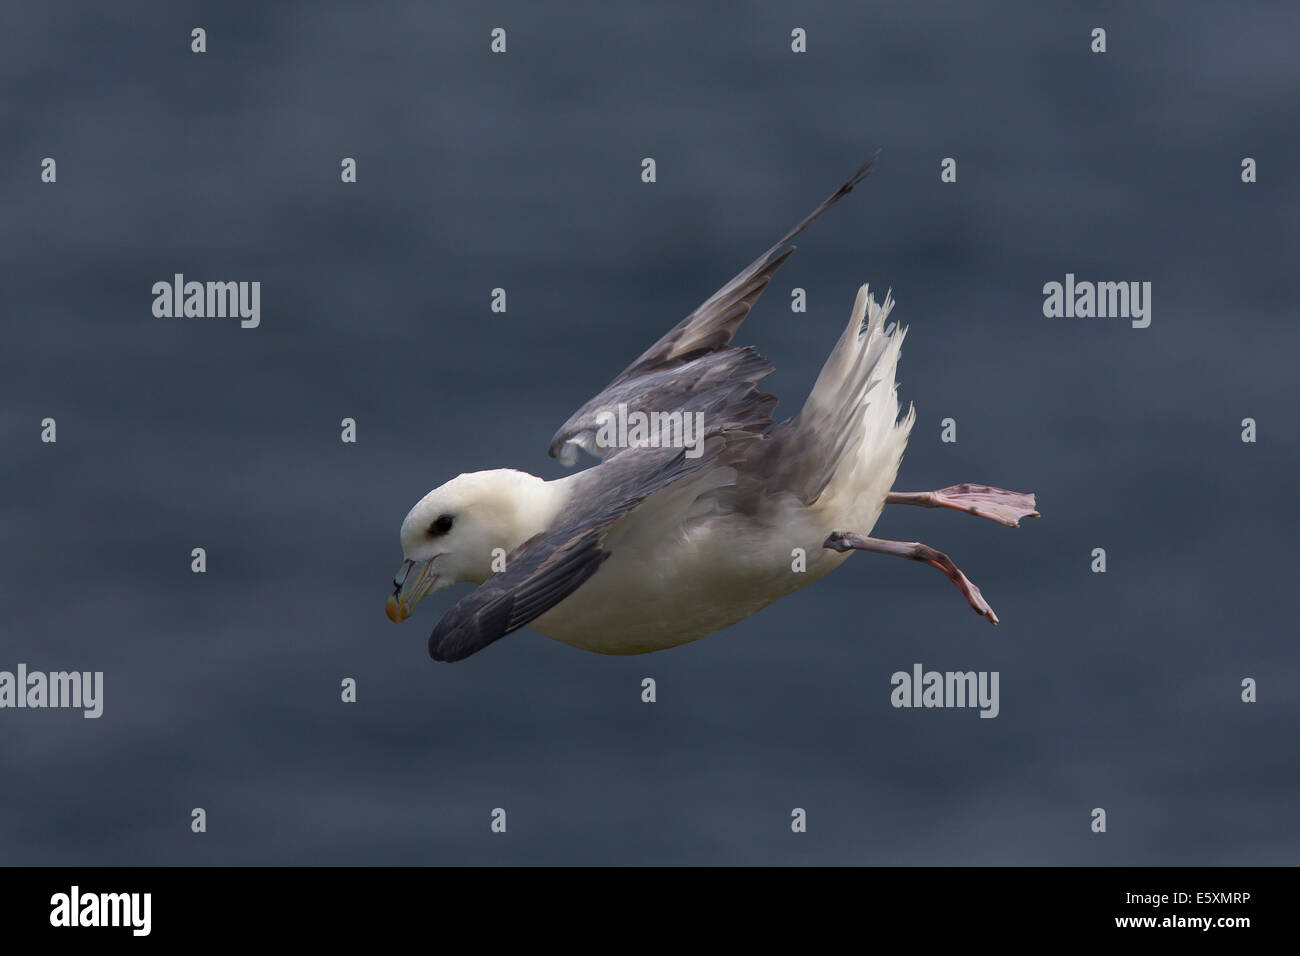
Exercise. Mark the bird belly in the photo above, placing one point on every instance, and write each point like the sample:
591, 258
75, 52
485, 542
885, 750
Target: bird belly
678, 591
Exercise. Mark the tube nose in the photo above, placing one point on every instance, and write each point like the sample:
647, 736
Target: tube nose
413, 582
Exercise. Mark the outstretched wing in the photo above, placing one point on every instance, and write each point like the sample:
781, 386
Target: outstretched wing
659, 380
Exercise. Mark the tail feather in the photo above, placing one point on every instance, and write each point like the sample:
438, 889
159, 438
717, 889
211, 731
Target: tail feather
842, 451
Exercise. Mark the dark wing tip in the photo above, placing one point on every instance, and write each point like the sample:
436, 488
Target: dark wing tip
542, 575
460, 634
861, 173
846, 187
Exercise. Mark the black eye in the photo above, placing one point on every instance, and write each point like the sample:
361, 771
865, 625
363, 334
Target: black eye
442, 525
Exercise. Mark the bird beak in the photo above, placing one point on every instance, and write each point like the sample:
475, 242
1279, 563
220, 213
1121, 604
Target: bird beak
412, 583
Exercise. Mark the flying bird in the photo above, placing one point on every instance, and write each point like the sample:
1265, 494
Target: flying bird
678, 532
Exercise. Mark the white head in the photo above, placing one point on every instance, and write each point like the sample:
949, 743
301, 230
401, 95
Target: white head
459, 530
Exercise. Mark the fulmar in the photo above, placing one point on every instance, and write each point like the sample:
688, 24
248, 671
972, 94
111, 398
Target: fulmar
681, 531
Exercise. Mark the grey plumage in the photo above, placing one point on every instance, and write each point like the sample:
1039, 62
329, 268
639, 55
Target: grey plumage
660, 377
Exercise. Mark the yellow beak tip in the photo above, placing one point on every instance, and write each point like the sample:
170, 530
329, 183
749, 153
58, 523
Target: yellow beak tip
396, 613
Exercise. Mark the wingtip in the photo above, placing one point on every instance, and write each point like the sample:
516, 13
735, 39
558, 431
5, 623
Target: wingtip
440, 655
846, 187
861, 173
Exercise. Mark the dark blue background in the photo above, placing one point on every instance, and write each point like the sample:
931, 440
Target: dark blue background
523, 171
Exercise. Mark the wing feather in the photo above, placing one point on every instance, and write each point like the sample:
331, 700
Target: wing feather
659, 379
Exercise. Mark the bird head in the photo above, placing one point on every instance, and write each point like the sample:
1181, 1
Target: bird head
462, 531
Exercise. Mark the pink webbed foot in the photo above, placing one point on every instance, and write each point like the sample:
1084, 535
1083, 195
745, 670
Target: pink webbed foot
984, 501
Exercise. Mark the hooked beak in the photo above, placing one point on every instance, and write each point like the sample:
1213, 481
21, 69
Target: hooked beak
412, 583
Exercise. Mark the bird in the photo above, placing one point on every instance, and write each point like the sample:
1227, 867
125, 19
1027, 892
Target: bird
702, 509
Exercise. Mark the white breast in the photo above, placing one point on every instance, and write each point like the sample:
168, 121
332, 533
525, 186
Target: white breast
659, 592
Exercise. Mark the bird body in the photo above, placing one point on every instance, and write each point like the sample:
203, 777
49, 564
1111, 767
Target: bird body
679, 570
663, 541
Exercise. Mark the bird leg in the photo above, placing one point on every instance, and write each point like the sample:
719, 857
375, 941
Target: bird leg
1004, 507
847, 541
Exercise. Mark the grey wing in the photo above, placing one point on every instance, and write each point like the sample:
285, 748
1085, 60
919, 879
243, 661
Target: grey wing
659, 380
542, 574
550, 567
